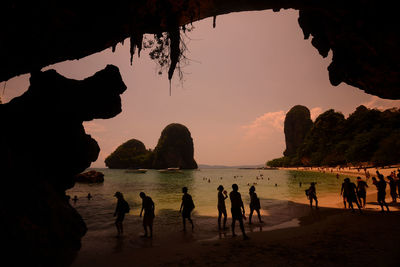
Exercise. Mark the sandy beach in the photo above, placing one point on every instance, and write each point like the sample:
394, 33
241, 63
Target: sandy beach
292, 235
344, 172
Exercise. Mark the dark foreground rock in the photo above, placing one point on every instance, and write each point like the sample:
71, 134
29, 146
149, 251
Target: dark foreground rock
90, 177
41, 130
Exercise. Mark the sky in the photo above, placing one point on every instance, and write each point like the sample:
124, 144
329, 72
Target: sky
241, 78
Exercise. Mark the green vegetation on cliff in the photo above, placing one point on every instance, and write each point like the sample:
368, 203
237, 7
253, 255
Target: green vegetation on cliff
174, 149
366, 136
131, 154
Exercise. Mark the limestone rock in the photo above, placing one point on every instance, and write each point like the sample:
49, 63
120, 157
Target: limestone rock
90, 177
297, 124
174, 148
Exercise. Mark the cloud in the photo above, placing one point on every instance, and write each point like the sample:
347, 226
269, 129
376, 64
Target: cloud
381, 104
262, 127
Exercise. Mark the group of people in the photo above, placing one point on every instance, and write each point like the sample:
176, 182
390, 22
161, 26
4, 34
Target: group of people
187, 206
357, 194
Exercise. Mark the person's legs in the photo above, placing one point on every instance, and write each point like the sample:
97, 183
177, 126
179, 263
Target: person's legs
344, 202
184, 223
191, 222
219, 219
242, 228
145, 228
233, 226
225, 217
250, 215
259, 215
151, 229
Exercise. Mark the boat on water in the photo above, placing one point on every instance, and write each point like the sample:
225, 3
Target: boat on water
136, 171
170, 170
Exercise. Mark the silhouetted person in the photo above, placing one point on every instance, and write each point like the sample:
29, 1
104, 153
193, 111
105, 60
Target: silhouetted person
187, 206
120, 210
222, 195
312, 195
300, 184
362, 191
237, 209
75, 199
349, 190
398, 182
254, 204
343, 194
381, 187
148, 217
89, 196
392, 186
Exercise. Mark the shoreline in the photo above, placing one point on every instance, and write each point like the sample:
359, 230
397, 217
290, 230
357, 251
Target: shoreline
354, 172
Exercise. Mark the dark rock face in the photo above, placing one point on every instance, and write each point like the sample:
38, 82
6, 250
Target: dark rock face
41, 132
362, 35
297, 124
90, 177
174, 148
131, 154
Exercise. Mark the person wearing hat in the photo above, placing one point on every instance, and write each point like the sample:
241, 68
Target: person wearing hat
254, 204
312, 195
120, 210
222, 195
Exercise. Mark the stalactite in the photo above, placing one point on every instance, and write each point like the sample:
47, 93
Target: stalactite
132, 47
175, 52
214, 21
113, 48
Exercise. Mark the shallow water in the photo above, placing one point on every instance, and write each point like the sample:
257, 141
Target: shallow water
166, 188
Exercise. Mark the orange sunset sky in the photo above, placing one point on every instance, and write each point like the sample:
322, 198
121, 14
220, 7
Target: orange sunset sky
241, 79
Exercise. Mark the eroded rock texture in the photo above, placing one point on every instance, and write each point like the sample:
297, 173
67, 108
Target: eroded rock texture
174, 148
362, 34
43, 145
297, 124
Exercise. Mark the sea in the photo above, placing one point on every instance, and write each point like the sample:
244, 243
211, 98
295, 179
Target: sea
281, 193
166, 188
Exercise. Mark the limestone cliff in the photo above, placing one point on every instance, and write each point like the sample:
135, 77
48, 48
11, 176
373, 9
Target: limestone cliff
131, 154
297, 124
174, 148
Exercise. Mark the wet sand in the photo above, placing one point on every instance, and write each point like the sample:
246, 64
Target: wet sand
328, 236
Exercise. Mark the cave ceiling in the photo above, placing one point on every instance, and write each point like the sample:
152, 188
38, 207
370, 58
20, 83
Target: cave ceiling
362, 35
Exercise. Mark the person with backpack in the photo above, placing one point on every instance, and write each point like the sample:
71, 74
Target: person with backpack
187, 207
120, 210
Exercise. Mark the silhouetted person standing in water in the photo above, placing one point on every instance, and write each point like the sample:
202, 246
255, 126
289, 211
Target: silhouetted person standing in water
312, 195
392, 186
349, 190
222, 195
381, 187
120, 210
89, 196
254, 204
186, 208
236, 208
362, 191
148, 208
75, 199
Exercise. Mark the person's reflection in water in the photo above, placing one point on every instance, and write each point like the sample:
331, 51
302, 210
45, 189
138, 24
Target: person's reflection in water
187, 206
236, 208
222, 195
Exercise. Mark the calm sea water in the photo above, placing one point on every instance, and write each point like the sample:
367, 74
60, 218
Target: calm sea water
166, 188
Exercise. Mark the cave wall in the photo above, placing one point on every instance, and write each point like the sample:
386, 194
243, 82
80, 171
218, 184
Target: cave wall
43, 146
362, 34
